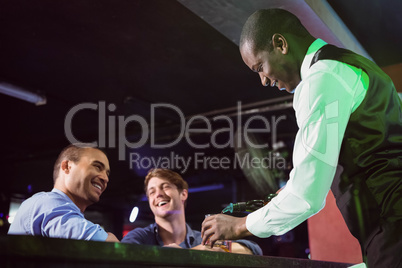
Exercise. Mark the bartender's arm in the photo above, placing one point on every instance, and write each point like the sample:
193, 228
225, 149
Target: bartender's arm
322, 119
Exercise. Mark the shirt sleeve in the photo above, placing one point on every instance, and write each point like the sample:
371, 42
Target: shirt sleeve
323, 104
63, 221
251, 245
139, 236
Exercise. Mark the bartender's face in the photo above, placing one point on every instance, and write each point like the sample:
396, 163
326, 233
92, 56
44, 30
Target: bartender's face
276, 67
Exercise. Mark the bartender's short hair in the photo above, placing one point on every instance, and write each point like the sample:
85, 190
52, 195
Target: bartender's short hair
263, 24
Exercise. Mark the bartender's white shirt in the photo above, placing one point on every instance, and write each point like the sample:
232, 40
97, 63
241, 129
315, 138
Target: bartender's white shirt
323, 101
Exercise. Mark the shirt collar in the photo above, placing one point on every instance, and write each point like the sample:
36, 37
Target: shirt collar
313, 48
190, 236
54, 190
62, 194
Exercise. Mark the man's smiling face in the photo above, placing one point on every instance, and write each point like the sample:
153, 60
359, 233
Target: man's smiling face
86, 179
164, 198
275, 68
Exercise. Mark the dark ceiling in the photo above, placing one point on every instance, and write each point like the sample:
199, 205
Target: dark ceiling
135, 54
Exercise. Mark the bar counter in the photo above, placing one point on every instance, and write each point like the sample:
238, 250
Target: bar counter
30, 251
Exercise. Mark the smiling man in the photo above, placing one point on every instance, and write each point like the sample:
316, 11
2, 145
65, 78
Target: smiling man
349, 139
81, 174
167, 194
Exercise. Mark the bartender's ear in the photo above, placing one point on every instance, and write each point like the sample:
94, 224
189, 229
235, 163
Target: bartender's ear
279, 42
64, 166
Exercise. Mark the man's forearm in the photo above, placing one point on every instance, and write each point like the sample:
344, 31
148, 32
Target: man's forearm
111, 238
240, 249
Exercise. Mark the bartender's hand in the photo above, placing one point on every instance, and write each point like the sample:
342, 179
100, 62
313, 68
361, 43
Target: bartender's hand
223, 227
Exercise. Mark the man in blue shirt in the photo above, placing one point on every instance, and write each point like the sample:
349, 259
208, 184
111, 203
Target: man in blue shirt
167, 194
80, 175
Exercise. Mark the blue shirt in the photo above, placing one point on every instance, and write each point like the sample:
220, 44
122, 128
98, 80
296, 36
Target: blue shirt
53, 214
149, 236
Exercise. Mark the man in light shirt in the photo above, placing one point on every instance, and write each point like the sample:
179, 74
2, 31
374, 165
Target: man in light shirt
349, 139
81, 174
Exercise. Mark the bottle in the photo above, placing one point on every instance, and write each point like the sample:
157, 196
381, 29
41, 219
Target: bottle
248, 206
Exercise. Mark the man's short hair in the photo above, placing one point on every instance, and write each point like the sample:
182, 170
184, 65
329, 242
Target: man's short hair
168, 175
73, 153
263, 24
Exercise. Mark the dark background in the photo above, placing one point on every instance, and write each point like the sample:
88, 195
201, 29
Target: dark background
133, 54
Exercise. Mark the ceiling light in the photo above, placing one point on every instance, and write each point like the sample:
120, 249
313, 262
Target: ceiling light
22, 94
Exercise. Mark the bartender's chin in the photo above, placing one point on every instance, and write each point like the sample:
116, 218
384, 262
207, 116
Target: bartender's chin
291, 91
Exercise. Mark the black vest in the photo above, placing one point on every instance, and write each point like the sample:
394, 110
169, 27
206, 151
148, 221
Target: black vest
369, 190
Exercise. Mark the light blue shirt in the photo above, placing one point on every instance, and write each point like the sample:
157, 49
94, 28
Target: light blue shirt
53, 214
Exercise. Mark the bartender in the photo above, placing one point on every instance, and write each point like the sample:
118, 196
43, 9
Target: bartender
349, 139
